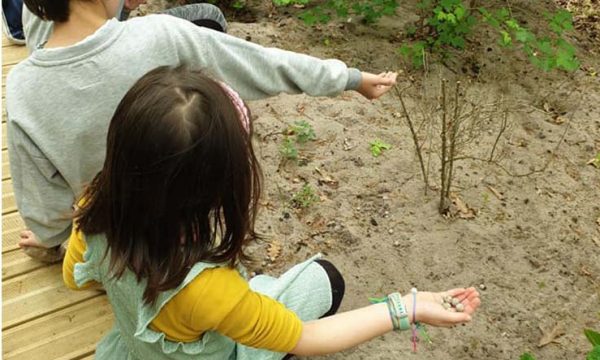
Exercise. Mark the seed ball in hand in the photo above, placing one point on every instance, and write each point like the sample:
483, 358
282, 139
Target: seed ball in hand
460, 307
454, 301
446, 305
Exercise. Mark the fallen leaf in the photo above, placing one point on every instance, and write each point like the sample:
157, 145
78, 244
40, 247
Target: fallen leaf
348, 145
326, 179
463, 211
496, 193
549, 336
547, 107
274, 250
584, 271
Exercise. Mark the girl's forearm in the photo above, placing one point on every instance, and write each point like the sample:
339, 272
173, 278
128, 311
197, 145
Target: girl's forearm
343, 331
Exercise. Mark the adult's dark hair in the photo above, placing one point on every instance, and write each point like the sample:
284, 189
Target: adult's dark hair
180, 183
51, 10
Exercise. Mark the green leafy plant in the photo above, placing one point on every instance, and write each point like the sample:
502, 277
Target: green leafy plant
369, 10
288, 150
299, 133
377, 147
594, 338
290, 2
548, 52
527, 356
305, 197
446, 24
304, 131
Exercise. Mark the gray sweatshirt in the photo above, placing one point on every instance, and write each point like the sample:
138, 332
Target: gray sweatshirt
60, 101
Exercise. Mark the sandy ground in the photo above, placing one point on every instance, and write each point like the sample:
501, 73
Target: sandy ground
533, 246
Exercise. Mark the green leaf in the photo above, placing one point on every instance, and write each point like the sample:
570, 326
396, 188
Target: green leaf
591, 335
594, 354
459, 12
527, 356
566, 61
506, 39
377, 147
512, 24
524, 35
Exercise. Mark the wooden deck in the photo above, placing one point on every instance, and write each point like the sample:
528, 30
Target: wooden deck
41, 318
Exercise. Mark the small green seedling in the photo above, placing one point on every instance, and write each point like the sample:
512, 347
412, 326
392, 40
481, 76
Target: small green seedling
288, 149
305, 197
304, 131
595, 161
377, 147
527, 356
594, 338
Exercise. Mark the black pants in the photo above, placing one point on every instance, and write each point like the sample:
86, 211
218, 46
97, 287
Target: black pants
338, 287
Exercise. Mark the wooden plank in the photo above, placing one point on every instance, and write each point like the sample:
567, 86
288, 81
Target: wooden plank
36, 294
5, 165
15, 263
67, 334
13, 54
12, 225
8, 198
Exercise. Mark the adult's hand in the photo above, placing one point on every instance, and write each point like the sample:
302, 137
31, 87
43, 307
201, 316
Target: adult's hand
373, 86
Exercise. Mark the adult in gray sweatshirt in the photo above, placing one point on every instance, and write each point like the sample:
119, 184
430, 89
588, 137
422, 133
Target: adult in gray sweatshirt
37, 31
61, 99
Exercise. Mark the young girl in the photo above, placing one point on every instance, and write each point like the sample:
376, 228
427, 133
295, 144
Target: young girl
164, 226
60, 99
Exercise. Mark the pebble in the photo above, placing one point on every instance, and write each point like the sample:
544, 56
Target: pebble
396, 243
482, 286
390, 231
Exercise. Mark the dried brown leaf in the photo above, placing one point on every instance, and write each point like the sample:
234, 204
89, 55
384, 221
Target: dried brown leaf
550, 336
462, 210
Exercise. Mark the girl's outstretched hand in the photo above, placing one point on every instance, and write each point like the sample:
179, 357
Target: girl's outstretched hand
373, 86
430, 310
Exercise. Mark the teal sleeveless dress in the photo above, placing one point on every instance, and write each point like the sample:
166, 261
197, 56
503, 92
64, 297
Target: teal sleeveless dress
305, 289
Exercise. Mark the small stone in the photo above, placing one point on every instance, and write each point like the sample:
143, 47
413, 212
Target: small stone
454, 301
390, 231
482, 286
396, 243
460, 307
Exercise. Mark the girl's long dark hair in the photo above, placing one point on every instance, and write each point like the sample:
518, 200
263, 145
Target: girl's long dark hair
180, 183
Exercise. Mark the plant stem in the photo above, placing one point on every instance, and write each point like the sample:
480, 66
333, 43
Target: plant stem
453, 130
444, 143
502, 129
415, 139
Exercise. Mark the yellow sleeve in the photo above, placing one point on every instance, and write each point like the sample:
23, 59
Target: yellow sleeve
220, 299
74, 255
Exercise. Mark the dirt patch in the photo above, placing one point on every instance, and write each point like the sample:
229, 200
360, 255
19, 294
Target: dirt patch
534, 244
